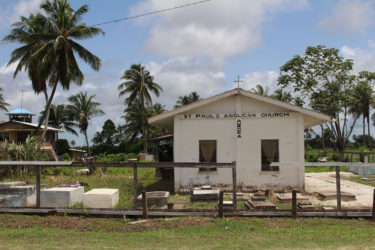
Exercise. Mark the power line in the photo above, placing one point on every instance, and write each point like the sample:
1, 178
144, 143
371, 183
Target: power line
140, 15
152, 13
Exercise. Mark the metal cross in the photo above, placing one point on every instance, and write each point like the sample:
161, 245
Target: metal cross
238, 81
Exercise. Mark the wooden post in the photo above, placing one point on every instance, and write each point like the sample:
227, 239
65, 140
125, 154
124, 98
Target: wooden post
144, 205
221, 198
338, 188
135, 185
294, 204
234, 184
38, 187
373, 207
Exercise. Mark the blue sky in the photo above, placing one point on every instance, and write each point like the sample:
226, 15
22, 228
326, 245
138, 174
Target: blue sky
198, 48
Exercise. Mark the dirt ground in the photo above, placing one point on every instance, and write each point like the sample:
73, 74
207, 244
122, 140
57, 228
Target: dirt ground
326, 181
98, 225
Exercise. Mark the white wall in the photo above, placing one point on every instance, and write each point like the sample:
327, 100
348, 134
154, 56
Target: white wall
246, 151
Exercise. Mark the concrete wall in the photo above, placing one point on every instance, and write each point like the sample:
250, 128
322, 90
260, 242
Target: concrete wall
246, 151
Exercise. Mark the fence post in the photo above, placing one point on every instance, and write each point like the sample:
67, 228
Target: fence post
135, 184
37, 186
294, 204
373, 207
221, 198
144, 205
338, 188
234, 184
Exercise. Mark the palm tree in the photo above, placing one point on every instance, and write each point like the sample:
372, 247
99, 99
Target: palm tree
260, 90
3, 103
362, 100
59, 118
187, 99
280, 95
49, 50
138, 84
82, 108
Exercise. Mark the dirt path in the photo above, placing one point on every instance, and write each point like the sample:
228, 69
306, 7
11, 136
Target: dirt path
318, 182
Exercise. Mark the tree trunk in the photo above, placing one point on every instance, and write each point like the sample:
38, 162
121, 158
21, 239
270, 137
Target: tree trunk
368, 131
46, 117
323, 146
87, 144
364, 131
143, 128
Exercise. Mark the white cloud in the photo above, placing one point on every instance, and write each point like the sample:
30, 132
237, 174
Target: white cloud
180, 76
12, 12
216, 29
349, 16
267, 79
364, 58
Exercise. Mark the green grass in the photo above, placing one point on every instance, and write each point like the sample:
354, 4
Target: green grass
248, 233
324, 169
357, 179
119, 178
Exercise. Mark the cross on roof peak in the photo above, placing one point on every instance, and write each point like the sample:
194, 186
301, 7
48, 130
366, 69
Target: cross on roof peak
238, 81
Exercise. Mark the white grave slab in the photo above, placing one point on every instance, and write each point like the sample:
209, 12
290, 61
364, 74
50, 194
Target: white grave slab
61, 196
101, 198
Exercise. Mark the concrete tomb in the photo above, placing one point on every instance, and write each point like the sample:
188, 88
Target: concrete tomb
156, 198
101, 198
205, 195
61, 196
332, 195
287, 197
12, 201
259, 202
305, 205
18, 194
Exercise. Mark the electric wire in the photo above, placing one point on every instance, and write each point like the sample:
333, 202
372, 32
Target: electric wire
139, 15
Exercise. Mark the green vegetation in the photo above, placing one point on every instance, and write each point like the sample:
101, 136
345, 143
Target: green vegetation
186, 233
357, 179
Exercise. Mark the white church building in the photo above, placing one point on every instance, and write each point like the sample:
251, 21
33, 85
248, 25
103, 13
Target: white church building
240, 126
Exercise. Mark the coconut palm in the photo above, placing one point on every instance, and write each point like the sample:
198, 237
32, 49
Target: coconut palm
3, 103
362, 99
138, 84
59, 118
49, 48
260, 90
187, 99
133, 118
283, 96
82, 109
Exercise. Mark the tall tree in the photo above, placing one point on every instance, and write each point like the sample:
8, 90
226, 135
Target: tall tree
49, 48
187, 99
107, 135
82, 109
138, 84
59, 117
133, 118
323, 77
260, 90
363, 98
3, 103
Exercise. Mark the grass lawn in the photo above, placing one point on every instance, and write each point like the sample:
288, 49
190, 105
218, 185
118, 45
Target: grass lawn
357, 179
324, 169
34, 232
